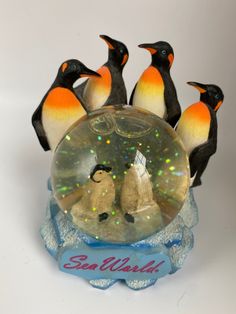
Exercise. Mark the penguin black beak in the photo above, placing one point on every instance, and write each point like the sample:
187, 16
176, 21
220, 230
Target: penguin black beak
86, 72
199, 86
110, 42
148, 47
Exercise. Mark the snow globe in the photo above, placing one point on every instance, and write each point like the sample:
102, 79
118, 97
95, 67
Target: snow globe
120, 208
121, 204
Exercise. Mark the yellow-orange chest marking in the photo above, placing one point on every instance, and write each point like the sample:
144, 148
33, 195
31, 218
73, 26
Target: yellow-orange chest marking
62, 104
149, 92
194, 126
98, 89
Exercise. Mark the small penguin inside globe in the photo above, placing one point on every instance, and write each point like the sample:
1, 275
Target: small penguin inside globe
98, 194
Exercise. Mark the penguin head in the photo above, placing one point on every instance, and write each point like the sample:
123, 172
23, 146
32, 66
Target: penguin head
99, 173
72, 69
162, 53
210, 94
118, 52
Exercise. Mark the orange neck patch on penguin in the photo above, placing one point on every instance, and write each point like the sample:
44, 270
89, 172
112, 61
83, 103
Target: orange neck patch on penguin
218, 105
152, 76
125, 58
198, 111
60, 97
105, 79
194, 126
98, 89
171, 59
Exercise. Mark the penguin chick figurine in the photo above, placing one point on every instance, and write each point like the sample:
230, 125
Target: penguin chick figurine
60, 107
109, 89
197, 128
155, 90
98, 195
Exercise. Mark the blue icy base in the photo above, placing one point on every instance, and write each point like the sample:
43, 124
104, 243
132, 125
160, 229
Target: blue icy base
176, 239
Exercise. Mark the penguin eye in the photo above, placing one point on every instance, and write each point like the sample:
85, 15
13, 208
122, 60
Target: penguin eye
121, 51
163, 52
217, 96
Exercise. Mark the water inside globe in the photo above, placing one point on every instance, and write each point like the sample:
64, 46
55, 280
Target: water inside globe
120, 174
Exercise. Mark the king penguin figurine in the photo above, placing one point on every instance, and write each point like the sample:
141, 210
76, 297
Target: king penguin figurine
197, 128
60, 107
110, 87
155, 90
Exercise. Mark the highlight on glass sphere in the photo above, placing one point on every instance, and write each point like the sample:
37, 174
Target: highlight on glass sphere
120, 174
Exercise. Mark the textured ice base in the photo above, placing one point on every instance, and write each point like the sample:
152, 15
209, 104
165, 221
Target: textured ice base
58, 232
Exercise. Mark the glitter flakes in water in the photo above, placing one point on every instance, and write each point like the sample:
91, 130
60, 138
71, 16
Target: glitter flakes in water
145, 174
160, 173
64, 189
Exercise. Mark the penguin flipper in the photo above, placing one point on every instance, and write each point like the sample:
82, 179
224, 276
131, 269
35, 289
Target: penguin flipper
118, 93
79, 90
197, 180
37, 124
171, 100
200, 154
173, 120
173, 108
132, 95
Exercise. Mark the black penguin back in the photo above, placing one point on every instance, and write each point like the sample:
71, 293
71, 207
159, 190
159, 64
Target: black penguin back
173, 108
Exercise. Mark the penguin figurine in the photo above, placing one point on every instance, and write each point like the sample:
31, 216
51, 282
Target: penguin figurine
155, 90
197, 128
60, 107
99, 194
109, 89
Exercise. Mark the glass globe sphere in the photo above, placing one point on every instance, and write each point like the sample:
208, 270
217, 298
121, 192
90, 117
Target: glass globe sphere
121, 174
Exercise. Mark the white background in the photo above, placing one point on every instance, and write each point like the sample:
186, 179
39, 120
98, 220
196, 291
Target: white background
35, 37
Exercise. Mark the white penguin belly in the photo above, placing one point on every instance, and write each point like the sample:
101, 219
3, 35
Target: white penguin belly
56, 129
94, 96
193, 138
150, 99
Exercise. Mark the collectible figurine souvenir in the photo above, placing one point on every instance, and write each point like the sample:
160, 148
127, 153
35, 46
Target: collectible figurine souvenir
110, 88
197, 128
60, 107
155, 90
121, 204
